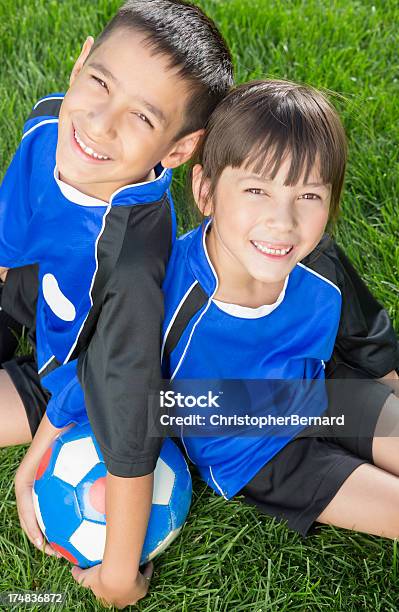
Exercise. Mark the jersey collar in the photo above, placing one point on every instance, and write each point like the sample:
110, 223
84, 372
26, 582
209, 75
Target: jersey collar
199, 261
129, 195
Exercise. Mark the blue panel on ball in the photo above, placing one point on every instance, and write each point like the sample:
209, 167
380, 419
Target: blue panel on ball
159, 527
59, 508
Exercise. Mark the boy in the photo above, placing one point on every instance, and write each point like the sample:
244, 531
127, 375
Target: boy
87, 198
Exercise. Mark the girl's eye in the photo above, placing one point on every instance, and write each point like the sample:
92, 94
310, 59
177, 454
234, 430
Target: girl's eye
144, 118
100, 82
255, 191
310, 196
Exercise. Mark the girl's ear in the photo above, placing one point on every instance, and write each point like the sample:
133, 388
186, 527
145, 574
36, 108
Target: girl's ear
200, 189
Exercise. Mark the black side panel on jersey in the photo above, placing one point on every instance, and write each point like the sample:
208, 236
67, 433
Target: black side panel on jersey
47, 108
109, 249
194, 301
366, 339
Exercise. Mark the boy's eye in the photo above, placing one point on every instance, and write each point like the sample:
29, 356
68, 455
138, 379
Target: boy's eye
100, 82
143, 118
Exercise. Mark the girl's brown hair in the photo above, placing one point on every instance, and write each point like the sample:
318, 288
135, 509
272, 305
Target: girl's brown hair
259, 123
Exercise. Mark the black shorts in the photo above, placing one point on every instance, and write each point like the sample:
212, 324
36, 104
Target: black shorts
26, 380
299, 482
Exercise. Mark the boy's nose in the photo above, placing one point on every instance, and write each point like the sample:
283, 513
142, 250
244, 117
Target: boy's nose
102, 124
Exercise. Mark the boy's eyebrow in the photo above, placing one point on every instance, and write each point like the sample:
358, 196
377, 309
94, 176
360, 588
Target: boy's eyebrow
153, 109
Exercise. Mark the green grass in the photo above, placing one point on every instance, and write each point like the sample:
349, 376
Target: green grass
229, 557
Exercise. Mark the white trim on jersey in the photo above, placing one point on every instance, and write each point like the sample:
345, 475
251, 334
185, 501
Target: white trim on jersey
216, 483
326, 280
38, 125
206, 307
158, 178
74, 195
46, 364
175, 315
185, 447
91, 286
49, 98
247, 312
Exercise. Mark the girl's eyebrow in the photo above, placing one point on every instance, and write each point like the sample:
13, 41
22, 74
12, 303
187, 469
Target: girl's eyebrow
315, 185
266, 179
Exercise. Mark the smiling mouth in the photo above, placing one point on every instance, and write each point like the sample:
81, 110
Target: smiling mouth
88, 150
282, 251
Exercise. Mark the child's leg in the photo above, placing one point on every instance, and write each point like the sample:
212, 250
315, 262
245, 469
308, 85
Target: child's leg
14, 424
386, 437
367, 501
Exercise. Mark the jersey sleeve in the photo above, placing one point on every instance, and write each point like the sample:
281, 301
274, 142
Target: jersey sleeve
15, 202
366, 339
121, 365
15, 211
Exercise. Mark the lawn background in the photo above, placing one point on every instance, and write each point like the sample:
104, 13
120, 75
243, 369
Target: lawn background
230, 558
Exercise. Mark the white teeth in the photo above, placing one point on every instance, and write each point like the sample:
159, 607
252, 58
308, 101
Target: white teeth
269, 251
86, 149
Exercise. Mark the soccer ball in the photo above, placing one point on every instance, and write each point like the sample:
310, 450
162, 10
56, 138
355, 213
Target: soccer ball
69, 498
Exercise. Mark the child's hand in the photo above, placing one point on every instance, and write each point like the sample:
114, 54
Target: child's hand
26, 512
3, 274
115, 593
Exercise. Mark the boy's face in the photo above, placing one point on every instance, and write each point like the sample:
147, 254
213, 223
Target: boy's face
261, 228
120, 116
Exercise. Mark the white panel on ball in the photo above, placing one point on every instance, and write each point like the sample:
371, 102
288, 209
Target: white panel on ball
36, 506
164, 479
75, 459
89, 540
165, 543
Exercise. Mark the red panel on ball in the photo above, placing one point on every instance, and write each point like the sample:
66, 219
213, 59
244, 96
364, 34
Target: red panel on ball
44, 463
97, 495
64, 552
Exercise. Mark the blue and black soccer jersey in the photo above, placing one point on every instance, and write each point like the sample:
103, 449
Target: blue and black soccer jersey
317, 311
101, 266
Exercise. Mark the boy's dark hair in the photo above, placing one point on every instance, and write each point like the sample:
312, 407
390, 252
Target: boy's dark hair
195, 46
259, 123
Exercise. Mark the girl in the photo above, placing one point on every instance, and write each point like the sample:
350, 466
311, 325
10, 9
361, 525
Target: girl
258, 292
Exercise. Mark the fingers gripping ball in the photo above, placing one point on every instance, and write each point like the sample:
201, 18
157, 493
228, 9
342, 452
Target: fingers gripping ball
69, 498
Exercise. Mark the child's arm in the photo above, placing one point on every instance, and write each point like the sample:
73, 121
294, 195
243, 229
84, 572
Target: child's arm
118, 580
118, 371
366, 339
24, 479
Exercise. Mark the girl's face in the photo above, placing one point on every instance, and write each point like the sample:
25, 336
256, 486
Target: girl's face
261, 228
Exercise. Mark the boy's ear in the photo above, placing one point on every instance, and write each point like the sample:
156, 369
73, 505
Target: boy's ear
200, 191
182, 150
87, 45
